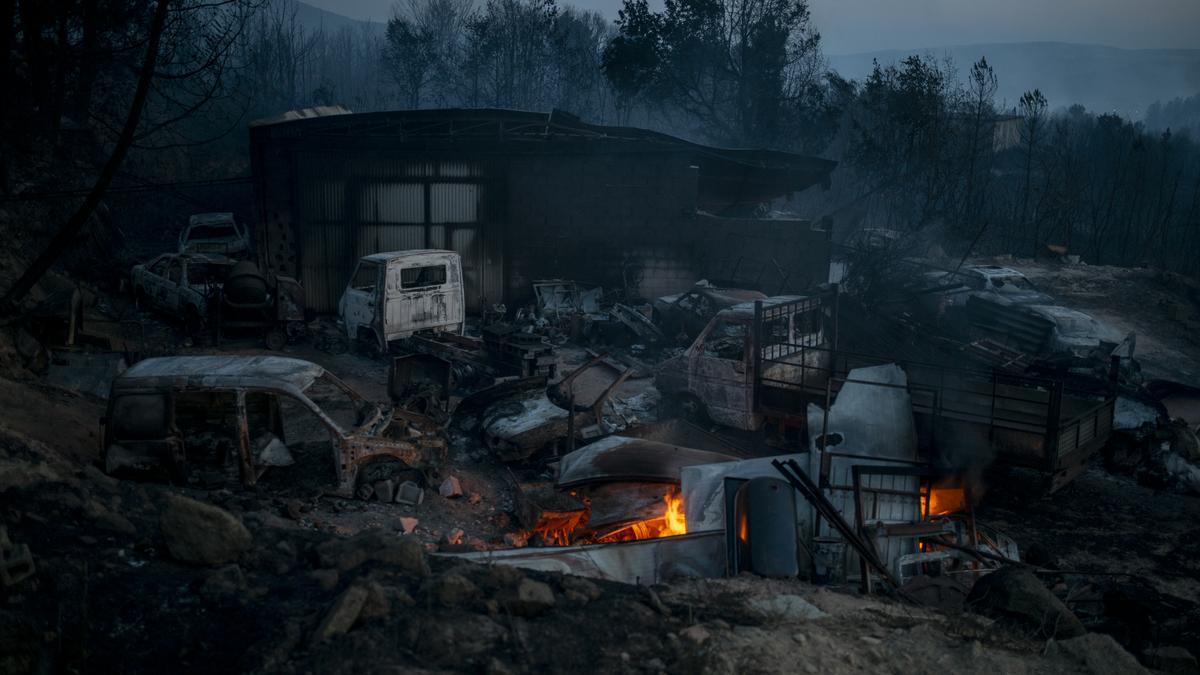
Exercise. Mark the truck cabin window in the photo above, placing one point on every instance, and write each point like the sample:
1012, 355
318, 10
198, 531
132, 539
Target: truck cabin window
806, 326
159, 267
365, 277
421, 277
726, 341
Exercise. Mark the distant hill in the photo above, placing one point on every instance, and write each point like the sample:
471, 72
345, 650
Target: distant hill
313, 18
1103, 79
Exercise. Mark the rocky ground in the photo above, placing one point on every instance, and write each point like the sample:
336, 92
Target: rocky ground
145, 578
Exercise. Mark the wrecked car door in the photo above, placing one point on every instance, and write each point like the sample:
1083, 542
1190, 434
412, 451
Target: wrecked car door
150, 281
719, 373
360, 301
166, 292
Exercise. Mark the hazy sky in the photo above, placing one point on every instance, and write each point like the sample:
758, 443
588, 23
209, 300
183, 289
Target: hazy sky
869, 25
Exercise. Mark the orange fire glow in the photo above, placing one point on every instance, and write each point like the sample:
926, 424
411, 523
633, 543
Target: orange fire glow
944, 500
672, 523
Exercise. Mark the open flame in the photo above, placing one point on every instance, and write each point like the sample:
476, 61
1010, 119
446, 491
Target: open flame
944, 500
676, 521
673, 522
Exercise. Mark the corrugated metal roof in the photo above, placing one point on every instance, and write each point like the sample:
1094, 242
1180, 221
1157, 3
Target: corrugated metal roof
302, 114
508, 126
386, 256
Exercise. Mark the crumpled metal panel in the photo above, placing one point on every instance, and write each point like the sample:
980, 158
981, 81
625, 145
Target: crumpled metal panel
648, 561
618, 458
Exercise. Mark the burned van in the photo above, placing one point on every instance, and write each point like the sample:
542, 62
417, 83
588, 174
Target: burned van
393, 295
255, 419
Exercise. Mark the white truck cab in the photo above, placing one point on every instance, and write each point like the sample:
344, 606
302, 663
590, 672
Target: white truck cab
395, 294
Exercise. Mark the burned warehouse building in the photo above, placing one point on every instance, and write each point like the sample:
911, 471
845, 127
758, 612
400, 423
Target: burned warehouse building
526, 196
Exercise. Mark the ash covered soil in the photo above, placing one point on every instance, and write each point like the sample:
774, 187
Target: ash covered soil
252, 589
1159, 306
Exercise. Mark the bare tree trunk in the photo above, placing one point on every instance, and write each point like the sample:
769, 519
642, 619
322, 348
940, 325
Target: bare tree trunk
67, 234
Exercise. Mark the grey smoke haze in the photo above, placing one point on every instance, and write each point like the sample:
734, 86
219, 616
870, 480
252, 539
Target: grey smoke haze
851, 26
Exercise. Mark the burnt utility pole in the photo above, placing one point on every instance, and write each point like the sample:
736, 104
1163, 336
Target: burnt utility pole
64, 238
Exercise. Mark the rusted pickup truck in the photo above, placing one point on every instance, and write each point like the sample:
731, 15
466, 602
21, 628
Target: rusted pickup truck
263, 419
715, 379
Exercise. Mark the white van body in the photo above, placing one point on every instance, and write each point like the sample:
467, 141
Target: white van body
392, 295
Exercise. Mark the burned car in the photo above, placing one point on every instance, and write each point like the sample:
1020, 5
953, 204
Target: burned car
262, 419
1073, 333
944, 292
181, 284
572, 410
216, 233
686, 314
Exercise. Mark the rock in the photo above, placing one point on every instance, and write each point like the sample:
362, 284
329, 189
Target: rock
202, 534
454, 537
385, 491
1172, 659
455, 640
497, 667
409, 494
1016, 595
401, 552
224, 581
106, 519
696, 634
101, 479
787, 608
582, 586
530, 598
475, 498
1184, 442
1096, 653
326, 579
575, 598
502, 576
517, 539
408, 525
378, 603
453, 589
450, 488
341, 616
